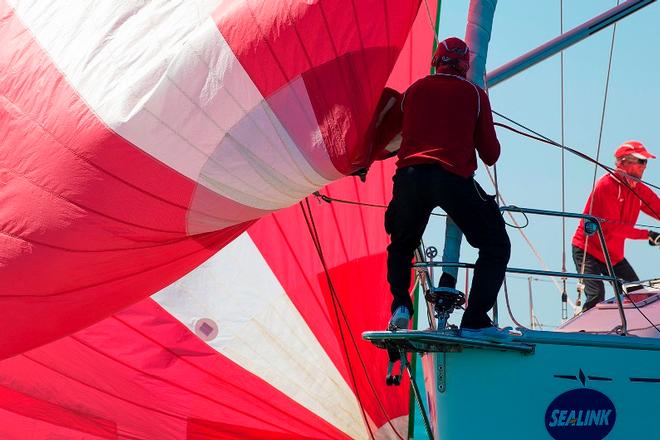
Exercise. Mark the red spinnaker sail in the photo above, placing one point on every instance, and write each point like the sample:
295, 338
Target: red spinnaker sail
140, 139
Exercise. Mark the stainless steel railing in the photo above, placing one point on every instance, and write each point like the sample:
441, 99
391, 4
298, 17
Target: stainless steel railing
590, 222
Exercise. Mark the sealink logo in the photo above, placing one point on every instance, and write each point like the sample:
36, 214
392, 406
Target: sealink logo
580, 414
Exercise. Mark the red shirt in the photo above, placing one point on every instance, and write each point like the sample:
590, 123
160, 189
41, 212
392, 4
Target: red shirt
614, 202
446, 120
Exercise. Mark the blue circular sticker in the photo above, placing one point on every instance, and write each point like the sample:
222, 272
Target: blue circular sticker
580, 414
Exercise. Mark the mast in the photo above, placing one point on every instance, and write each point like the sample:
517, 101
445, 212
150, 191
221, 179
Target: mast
477, 36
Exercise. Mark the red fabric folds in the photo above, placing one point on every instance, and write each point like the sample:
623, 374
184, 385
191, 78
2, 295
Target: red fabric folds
147, 374
89, 224
344, 53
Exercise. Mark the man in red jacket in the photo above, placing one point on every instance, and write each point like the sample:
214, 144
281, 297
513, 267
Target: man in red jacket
616, 200
447, 120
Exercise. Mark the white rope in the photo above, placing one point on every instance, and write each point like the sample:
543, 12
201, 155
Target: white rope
538, 256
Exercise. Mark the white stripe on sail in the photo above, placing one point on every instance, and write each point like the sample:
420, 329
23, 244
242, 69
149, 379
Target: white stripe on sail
161, 75
260, 329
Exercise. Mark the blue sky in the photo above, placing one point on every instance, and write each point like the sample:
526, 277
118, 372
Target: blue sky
530, 172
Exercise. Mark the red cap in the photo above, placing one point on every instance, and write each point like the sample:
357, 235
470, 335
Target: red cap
450, 51
633, 148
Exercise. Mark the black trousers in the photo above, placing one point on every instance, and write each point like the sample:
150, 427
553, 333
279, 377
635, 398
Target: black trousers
595, 289
418, 189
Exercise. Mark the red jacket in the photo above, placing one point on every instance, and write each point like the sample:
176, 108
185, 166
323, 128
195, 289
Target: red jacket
614, 202
446, 120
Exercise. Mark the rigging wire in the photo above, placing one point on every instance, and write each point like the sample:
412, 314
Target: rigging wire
526, 278
337, 306
508, 307
600, 137
625, 294
536, 253
516, 225
312, 233
433, 27
609, 170
329, 199
311, 226
563, 148
546, 140
639, 310
539, 138
538, 256
563, 169
500, 197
